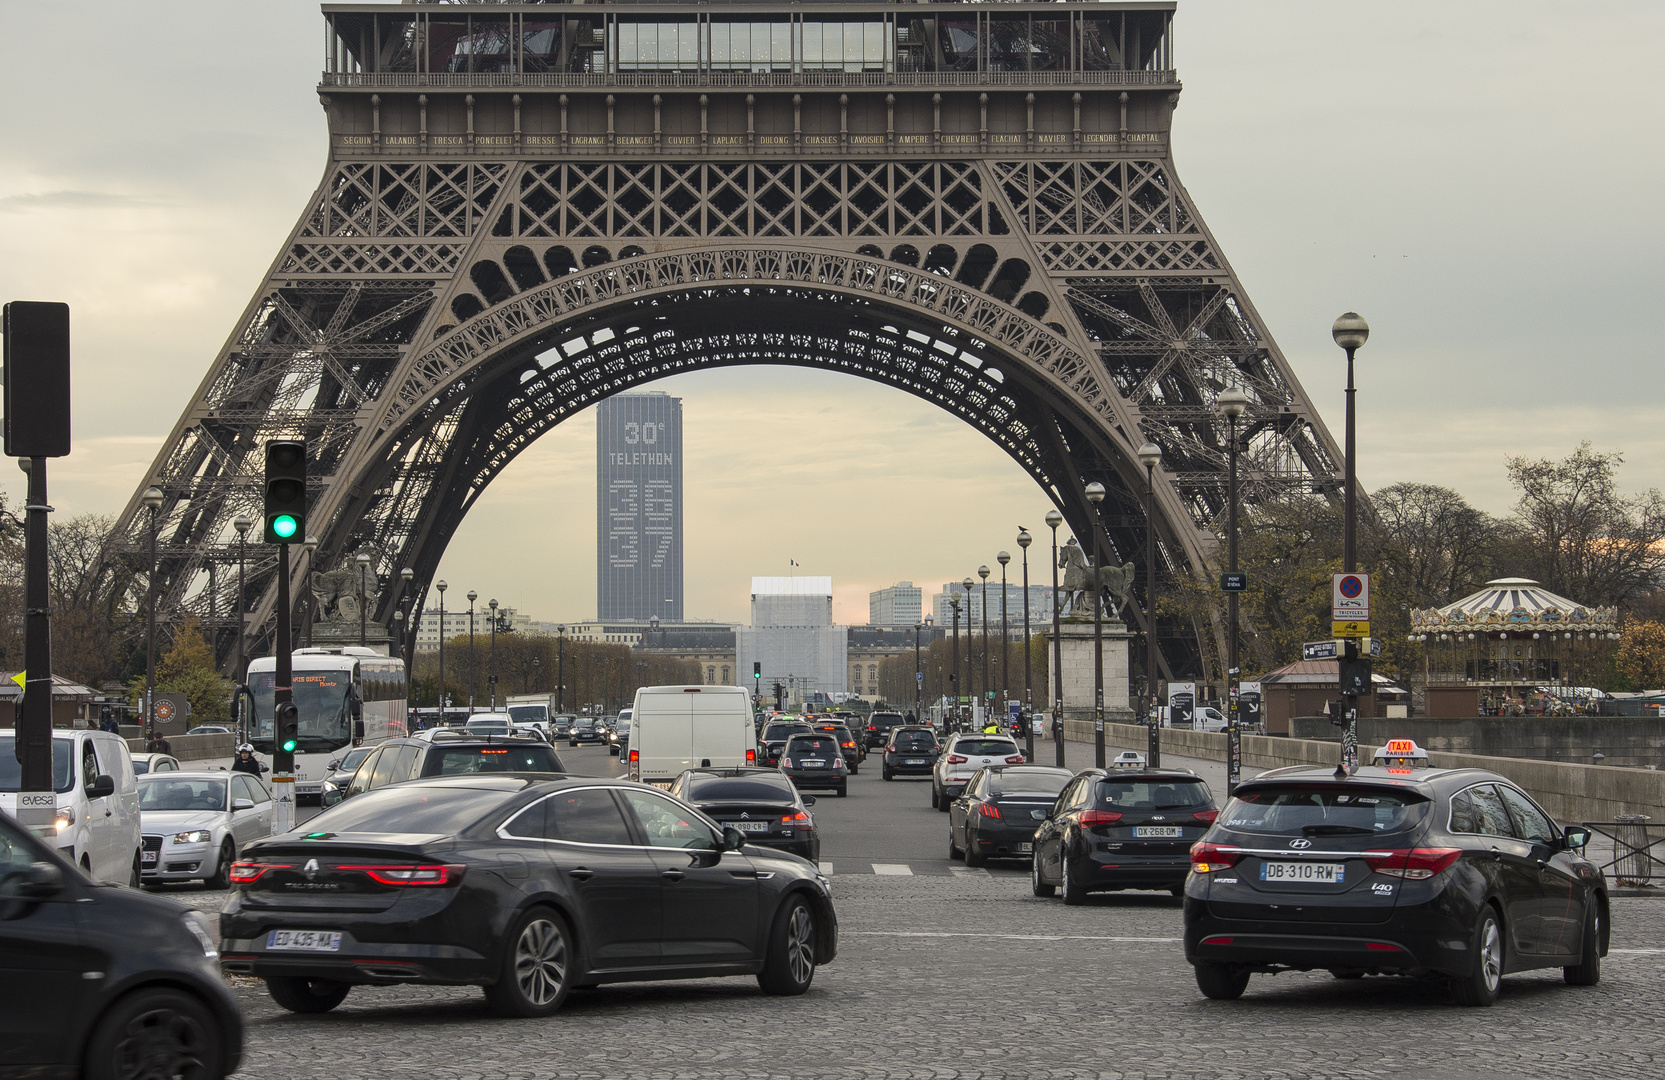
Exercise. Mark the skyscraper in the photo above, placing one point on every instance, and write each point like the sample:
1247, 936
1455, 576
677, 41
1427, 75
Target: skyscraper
638, 490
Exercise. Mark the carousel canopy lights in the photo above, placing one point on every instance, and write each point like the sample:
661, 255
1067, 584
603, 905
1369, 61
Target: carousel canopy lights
1514, 605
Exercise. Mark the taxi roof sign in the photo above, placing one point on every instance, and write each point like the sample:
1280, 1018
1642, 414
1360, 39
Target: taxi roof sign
1401, 754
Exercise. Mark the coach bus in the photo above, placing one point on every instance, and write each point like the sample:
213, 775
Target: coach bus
346, 696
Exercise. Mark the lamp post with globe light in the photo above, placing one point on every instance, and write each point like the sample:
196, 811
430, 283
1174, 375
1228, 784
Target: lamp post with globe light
1023, 542
1053, 520
1150, 455
1095, 496
1232, 403
1351, 332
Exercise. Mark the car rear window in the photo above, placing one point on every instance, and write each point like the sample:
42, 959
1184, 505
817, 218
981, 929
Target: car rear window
985, 747
811, 744
739, 790
400, 809
1029, 782
1322, 811
916, 740
449, 760
780, 731
886, 719
1160, 793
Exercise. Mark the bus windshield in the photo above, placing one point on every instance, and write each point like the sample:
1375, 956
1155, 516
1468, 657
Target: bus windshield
321, 698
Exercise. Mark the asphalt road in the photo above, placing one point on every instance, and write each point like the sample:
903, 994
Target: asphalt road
946, 972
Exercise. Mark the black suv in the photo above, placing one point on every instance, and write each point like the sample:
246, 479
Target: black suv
879, 726
444, 753
1398, 871
1121, 829
852, 749
587, 729
911, 751
774, 738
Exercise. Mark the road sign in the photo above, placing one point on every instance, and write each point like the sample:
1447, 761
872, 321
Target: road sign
1319, 650
1350, 629
1234, 581
919, 676
1350, 598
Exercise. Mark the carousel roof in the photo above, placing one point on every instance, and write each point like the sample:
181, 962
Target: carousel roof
1514, 604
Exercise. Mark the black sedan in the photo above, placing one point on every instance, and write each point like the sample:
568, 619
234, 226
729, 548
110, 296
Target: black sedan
761, 803
815, 761
587, 729
1446, 872
773, 741
100, 981
911, 751
1121, 829
523, 885
997, 815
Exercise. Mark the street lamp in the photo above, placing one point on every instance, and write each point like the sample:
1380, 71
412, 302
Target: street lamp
561, 668
954, 675
407, 646
363, 560
970, 694
1350, 332
1232, 402
1150, 455
1095, 495
440, 585
1005, 635
309, 548
242, 523
1053, 520
152, 499
491, 669
473, 668
1023, 542
983, 692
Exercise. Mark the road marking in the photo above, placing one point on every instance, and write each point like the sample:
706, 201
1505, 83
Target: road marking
825, 868
1014, 937
968, 871
886, 869
1636, 952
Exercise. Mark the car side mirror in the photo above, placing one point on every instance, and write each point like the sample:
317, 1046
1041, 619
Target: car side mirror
1575, 838
733, 839
41, 880
330, 798
809, 800
333, 764
102, 786
242, 804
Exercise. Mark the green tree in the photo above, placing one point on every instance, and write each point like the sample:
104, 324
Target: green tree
187, 667
1640, 658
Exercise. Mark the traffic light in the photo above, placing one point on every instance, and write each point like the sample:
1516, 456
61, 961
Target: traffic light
285, 491
288, 727
757, 672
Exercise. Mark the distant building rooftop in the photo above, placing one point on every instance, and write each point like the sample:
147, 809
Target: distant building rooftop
792, 586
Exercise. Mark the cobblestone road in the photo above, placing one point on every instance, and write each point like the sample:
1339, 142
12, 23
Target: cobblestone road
949, 974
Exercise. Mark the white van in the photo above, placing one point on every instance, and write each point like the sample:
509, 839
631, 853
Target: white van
98, 801
673, 728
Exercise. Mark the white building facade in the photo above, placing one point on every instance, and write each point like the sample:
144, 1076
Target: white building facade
793, 637
900, 605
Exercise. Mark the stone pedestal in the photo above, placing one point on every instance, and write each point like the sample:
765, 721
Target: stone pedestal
376, 637
1076, 637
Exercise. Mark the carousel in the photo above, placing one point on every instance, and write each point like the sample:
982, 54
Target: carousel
1514, 648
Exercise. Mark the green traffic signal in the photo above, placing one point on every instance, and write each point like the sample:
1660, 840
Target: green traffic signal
284, 525
289, 745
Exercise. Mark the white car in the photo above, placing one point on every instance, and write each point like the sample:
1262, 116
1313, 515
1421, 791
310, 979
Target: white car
194, 823
1128, 759
144, 764
97, 800
962, 757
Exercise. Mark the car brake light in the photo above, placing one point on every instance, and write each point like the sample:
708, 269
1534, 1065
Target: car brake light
1217, 940
408, 876
1382, 946
786, 761
989, 811
1015, 759
751, 757
891, 749
1099, 817
244, 872
1206, 815
1207, 858
957, 759
635, 756
793, 819
1412, 864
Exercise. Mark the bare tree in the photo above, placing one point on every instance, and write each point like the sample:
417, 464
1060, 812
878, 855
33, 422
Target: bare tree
1441, 547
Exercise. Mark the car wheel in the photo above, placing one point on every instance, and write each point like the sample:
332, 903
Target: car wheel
574, 742
536, 970
843, 790
973, 857
222, 867
301, 995
1036, 885
789, 967
1176, 891
1074, 894
134, 876
954, 851
934, 797
1485, 975
613, 750
1222, 982
887, 774
156, 1033
1587, 972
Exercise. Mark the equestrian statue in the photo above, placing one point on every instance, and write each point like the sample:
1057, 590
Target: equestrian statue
1112, 584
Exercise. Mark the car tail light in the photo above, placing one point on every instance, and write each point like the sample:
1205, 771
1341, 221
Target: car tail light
1015, 759
244, 872
795, 819
957, 759
891, 749
1206, 815
409, 876
1382, 946
1099, 817
751, 757
1412, 864
989, 810
636, 755
786, 761
1217, 940
1207, 858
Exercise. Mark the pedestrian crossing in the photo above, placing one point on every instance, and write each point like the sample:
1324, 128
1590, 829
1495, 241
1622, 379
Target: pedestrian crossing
851, 867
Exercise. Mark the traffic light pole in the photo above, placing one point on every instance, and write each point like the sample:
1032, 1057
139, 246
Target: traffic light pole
283, 759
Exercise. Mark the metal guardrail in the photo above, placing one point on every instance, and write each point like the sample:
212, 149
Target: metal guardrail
391, 80
1638, 856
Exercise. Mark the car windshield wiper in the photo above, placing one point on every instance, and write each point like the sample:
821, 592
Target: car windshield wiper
1335, 830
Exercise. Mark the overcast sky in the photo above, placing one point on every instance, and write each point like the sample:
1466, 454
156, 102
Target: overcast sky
1482, 181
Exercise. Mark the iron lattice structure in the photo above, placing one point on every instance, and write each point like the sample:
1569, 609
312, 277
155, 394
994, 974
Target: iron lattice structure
527, 209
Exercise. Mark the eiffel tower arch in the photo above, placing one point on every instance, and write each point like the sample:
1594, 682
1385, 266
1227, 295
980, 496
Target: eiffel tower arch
529, 207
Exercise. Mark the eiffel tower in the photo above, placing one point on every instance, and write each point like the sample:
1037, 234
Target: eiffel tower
530, 207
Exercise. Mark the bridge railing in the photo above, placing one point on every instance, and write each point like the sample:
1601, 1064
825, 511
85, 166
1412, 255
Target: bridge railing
743, 79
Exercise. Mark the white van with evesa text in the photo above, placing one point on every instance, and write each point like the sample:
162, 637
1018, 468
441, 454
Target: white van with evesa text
674, 728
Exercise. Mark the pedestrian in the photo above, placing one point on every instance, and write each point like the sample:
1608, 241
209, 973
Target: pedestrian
246, 761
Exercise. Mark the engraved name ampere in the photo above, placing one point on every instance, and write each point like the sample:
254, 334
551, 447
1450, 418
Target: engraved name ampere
639, 458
